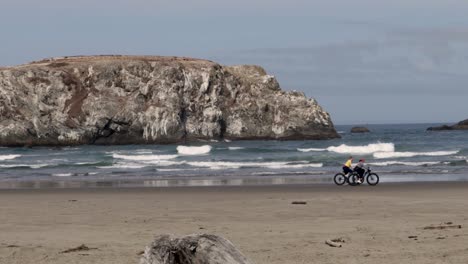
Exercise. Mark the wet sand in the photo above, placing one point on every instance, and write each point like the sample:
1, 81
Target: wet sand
382, 224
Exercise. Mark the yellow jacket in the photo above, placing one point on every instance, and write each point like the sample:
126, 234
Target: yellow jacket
348, 163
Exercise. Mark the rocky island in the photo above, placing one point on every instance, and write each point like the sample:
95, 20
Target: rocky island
359, 129
149, 99
462, 125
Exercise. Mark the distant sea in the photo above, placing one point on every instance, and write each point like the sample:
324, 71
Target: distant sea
398, 153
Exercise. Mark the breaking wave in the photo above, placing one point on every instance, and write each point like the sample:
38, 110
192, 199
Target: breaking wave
9, 157
237, 165
405, 163
144, 157
235, 148
310, 149
367, 149
123, 166
345, 149
24, 166
202, 150
62, 175
388, 155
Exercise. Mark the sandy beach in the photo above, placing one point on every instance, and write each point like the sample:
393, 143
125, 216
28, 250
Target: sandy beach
389, 223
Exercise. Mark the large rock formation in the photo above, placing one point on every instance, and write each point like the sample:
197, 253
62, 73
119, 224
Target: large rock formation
193, 249
462, 125
137, 100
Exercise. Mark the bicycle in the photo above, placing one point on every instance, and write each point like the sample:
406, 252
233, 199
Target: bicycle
370, 177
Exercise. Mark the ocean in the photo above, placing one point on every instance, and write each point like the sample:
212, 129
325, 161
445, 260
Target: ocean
398, 153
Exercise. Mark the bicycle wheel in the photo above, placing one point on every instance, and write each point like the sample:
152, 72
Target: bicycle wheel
373, 179
353, 179
339, 179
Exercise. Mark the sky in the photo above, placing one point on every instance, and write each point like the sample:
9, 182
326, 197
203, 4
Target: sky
365, 61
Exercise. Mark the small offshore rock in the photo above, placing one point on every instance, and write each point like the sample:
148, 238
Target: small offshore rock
462, 125
360, 130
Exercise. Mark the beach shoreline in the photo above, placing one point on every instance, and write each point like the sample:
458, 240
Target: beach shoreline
213, 181
384, 224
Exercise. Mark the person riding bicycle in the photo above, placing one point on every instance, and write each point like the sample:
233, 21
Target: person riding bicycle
347, 166
360, 169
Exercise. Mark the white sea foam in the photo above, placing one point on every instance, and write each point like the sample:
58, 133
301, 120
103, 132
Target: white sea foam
62, 174
9, 157
236, 165
123, 166
144, 151
164, 163
235, 148
202, 150
388, 155
144, 157
87, 163
367, 149
32, 166
310, 149
405, 163
167, 170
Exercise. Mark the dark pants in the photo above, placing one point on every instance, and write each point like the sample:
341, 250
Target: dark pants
360, 171
347, 170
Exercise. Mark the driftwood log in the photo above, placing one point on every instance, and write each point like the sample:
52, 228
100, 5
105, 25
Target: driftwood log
336, 242
192, 249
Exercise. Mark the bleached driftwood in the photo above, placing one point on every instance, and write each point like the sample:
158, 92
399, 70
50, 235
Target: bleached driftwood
443, 227
192, 249
336, 242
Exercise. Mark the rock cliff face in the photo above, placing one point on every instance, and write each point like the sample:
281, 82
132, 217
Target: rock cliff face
462, 125
138, 100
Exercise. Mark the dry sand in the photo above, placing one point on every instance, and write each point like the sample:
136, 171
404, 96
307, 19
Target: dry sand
382, 224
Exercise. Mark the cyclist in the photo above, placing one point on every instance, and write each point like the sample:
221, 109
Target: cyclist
347, 166
359, 168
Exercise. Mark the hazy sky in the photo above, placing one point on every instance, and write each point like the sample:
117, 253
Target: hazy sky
365, 61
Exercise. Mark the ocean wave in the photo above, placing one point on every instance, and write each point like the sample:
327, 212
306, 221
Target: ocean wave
144, 151
367, 149
458, 162
405, 163
202, 150
388, 155
310, 149
123, 166
9, 157
24, 166
238, 165
88, 163
62, 174
163, 163
346, 149
235, 148
144, 157
170, 170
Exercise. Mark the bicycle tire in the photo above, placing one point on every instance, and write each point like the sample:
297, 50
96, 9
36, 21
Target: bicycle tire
373, 179
352, 179
340, 179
